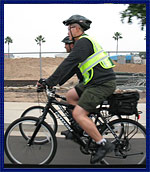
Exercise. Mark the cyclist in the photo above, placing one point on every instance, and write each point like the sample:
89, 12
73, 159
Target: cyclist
99, 80
68, 44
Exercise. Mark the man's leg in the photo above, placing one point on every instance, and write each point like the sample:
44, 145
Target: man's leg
74, 94
81, 116
103, 146
72, 97
90, 98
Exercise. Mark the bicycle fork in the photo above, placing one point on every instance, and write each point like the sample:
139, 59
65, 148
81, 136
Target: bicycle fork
38, 125
34, 135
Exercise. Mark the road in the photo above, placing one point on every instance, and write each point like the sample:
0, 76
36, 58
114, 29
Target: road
68, 155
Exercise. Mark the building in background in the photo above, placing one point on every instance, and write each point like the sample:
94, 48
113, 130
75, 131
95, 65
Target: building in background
122, 59
10, 55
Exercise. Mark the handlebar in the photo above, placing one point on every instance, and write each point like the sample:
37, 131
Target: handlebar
50, 92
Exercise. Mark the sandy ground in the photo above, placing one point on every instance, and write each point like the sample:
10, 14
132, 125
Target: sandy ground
29, 69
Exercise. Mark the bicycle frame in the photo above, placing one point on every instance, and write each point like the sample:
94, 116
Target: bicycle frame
49, 107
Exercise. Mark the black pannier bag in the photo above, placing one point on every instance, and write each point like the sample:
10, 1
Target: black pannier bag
123, 103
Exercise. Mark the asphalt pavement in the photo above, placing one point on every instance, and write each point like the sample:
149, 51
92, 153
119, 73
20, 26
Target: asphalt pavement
68, 155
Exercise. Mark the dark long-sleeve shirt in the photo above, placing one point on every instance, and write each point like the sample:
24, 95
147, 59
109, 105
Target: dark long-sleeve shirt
83, 48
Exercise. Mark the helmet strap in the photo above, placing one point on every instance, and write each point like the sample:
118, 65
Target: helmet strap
73, 37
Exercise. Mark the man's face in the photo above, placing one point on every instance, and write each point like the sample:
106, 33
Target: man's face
68, 47
72, 31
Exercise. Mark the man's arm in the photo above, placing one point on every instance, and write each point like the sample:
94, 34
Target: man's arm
67, 77
80, 52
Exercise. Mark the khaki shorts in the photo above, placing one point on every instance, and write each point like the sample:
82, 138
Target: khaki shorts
91, 97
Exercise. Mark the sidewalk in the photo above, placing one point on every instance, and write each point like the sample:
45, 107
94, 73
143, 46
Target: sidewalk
13, 110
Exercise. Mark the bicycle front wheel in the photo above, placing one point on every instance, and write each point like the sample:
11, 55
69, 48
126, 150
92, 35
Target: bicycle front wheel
19, 151
131, 148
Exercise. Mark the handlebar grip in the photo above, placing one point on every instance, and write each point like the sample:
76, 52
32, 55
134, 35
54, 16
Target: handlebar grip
40, 89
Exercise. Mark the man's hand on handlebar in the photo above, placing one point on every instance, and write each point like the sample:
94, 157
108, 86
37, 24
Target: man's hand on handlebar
41, 85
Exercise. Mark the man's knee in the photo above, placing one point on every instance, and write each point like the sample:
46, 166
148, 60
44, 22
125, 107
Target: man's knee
72, 96
79, 112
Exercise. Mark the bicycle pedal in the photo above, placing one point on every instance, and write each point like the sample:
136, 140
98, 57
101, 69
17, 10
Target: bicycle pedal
67, 134
70, 136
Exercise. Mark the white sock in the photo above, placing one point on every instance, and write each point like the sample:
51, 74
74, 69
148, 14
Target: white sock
101, 141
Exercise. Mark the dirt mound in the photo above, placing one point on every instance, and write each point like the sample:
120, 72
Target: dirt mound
132, 68
29, 68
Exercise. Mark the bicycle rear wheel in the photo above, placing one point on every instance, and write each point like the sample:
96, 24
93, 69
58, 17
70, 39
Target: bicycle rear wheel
132, 149
37, 111
17, 149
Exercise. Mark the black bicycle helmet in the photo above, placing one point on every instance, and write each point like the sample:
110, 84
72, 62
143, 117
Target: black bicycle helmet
81, 20
66, 40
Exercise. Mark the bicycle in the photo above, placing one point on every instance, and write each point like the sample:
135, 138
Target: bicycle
52, 121
39, 137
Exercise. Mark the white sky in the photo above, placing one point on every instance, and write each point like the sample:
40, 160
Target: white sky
24, 22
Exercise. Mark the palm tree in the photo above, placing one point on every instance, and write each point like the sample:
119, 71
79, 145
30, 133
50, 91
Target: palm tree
117, 36
40, 40
8, 40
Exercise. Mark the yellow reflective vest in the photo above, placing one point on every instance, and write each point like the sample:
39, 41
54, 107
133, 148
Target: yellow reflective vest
98, 57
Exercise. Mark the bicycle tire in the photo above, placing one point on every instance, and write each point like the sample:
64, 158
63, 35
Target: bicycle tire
17, 149
129, 148
36, 111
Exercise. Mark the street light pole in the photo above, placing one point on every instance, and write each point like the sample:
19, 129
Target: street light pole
40, 62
